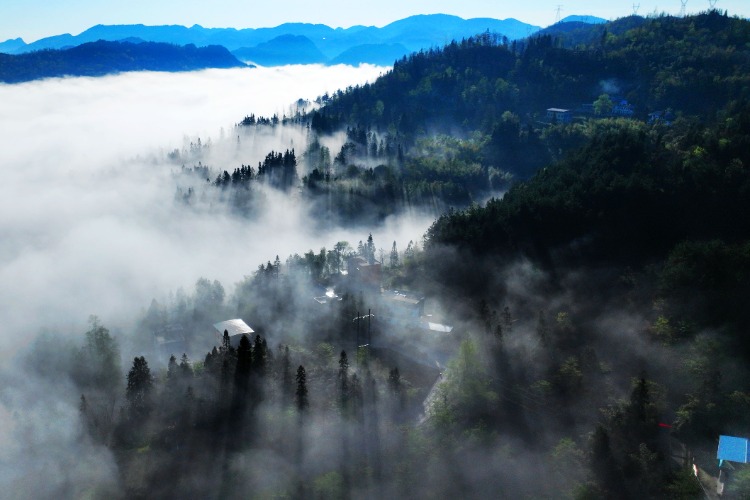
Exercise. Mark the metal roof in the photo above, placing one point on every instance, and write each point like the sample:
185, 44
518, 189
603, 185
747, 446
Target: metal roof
436, 327
403, 298
734, 449
233, 327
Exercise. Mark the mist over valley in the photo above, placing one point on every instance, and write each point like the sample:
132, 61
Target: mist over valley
93, 155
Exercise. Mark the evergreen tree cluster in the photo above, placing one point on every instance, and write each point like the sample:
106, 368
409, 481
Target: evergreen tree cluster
196, 418
241, 176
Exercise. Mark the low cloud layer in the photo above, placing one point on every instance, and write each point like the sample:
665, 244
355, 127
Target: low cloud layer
86, 204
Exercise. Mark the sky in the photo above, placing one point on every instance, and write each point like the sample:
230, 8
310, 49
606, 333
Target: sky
34, 19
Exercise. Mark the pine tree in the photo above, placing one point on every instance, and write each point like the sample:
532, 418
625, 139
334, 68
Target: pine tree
172, 368
139, 388
259, 356
172, 388
244, 365
99, 361
212, 362
370, 250
186, 370
343, 365
409, 252
394, 255
301, 393
276, 267
242, 383
226, 345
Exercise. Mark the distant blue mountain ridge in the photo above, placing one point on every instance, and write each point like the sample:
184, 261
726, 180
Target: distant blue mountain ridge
284, 49
283, 44
103, 49
584, 19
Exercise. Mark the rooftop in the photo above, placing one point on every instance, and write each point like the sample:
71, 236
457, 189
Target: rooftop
233, 327
402, 297
734, 449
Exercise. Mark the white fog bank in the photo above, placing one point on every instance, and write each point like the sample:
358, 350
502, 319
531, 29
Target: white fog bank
87, 213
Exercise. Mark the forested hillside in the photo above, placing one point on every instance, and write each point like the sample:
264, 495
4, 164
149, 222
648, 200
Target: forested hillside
637, 234
691, 65
103, 58
452, 126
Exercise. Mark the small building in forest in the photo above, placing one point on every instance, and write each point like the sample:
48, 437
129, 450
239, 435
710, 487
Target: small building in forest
621, 107
401, 307
235, 328
364, 273
407, 309
662, 117
559, 115
328, 297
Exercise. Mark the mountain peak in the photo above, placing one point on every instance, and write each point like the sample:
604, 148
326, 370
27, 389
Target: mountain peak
583, 19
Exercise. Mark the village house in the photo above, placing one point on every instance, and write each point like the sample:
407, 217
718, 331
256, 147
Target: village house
364, 273
621, 107
559, 115
235, 328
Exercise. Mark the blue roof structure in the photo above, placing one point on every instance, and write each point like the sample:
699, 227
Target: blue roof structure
733, 449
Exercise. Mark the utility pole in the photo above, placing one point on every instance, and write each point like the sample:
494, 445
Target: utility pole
684, 5
557, 13
636, 6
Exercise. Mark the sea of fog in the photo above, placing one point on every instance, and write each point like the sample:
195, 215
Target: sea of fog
88, 219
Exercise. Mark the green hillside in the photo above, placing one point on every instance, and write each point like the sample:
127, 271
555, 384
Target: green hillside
691, 65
